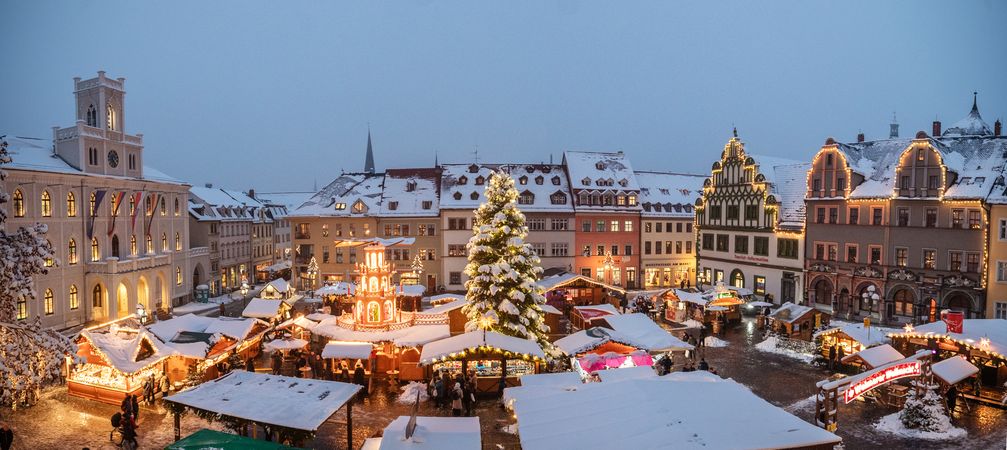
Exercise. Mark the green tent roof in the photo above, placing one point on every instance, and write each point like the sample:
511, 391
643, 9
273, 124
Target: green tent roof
217, 440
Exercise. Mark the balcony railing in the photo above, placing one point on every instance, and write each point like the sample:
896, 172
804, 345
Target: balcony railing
198, 251
113, 265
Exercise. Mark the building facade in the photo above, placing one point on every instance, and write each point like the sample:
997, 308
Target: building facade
607, 215
898, 228
118, 228
410, 207
668, 258
750, 221
229, 224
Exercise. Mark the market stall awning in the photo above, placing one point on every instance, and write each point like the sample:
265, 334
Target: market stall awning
571, 280
262, 308
875, 356
403, 337
954, 370
448, 433
299, 321
987, 335
285, 344
127, 350
343, 349
297, 403
866, 336
218, 440
445, 348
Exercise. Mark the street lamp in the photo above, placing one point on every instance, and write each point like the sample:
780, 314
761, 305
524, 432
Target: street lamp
609, 262
141, 312
870, 297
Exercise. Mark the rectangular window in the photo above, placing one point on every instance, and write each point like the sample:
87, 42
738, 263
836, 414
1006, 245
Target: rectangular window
615, 250
833, 252
833, 215
586, 271
819, 215
559, 249
658, 247
876, 216
929, 258
646, 247
536, 224
614, 226
816, 185
688, 247
1001, 271
668, 246
648, 227
851, 253
601, 250
933, 182
854, 217
455, 278
586, 226
627, 225
688, 227
740, 245
708, 241
678, 247
875, 254
931, 221
972, 262
904, 182
761, 246
539, 248
760, 285
955, 264
732, 212
901, 256
786, 248
586, 251
903, 215
678, 227
456, 250
715, 213
974, 221
558, 224
819, 251
722, 240
657, 226
628, 250
599, 226
957, 218
325, 253
1003, 230
840, 183
1000, 310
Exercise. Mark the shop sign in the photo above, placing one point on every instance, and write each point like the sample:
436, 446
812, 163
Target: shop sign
886, 375
751, 258
954, 321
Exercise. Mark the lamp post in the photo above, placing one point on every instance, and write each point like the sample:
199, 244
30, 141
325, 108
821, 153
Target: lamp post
608, 263
141, 312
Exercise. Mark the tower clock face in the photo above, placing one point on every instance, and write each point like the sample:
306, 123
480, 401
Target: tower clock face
113, 159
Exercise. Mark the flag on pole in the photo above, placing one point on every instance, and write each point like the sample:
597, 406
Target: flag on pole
116, 203
136, 207
98, 197
153, 210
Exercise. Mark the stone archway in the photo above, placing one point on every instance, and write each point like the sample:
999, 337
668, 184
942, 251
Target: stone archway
737, 278
821, 290
143, 294
121, 300
960, 301
901, 302
161, 291
844, 300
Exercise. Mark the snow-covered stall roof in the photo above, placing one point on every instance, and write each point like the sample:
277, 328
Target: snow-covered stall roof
590, 312
641, 329
552, 379
626, 373
122, 347
346, 349
876, 356
657, 412
405, 337
868, 337
285, 344
974, 331
412, 290
410, 192
445, 347
565, 279
299, 321
546, 183
340, 288
789, 312
592, 338
691, 297
279, 285
302, 404
954, 369
235, 327
446, 307
672, 195
167, 329
262, 308
434, 433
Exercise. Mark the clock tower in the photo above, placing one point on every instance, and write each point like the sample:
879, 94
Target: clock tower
97, 143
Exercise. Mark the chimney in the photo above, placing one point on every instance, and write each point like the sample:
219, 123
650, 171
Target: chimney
937, 128
860, 137
251, 193
997, 128
209, 185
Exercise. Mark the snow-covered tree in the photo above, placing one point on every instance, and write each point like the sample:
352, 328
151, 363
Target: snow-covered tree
502, 269
925, 412
30, 357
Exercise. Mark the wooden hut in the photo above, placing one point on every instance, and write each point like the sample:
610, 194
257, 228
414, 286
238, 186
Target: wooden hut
797, 321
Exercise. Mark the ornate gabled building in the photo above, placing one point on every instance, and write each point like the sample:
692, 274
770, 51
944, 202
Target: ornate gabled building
897, 229
750, 224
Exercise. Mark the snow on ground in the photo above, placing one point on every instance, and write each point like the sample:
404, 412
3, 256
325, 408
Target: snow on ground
892, 424
769, 346
801, 405
713, 341
198, 307
408, 395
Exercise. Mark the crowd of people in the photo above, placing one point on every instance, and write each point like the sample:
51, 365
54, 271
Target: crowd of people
455, 392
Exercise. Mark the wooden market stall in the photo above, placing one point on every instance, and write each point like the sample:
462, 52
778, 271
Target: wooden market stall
491, 355
271, 310
205, 342
583, 317
797, 321
623, 341
982, 342
852, 337
277, 289
119, 357
873, 357
566, 290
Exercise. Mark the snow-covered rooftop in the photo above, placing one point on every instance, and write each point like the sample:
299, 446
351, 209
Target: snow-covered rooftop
340, 197
35, 154
641, 329
433, 433
789, 312
954, 369
973, 333
262, 308
601, 171
472, 339
657, 412
665, 194
123, 347
404, 337
545, 186
788, 183
347, 349
303, 404
868, 337
410, 192
876, 356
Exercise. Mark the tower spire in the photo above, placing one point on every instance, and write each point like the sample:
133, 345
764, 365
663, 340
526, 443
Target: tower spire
975, 105
369, 160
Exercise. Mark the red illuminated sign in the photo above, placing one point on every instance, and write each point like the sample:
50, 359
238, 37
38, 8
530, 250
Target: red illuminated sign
902, 370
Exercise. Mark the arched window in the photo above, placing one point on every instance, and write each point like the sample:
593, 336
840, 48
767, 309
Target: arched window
74, 301
132, 205
178, 209
110, 116
823, 292
115, 246
71, 205
47, 302
132, 245
903, 300
46, 204
164, 210
164, 242
96, 300
18, 201
149, 206
49, 261
150, 245
71, 252
95, 251
738, 279
373, 312
92, 205
178, 276
92, 116
22, 308
178, 242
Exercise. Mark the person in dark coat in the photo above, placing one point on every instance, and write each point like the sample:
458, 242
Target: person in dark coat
6, 436
136, 407
250, 365
703, 365
840, 354
952, 396
344, 374
439, 391
666, 364
277, 363
359, 376
832, 357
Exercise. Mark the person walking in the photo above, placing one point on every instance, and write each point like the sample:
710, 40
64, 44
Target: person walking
666, 364
840, 354
439, 391
359, 377
6, 436
832, 357
164, 386
136, 406
148, 390
277, 362
952, 396
456, 400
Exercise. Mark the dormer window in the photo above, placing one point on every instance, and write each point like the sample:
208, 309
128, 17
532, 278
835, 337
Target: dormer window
92, 116
523, 180
458, 196
410, 186
393, 206
480, 180
586, 181
526, 198
558, 198
599, 165
427, 204
623, 182
359, 207
473, 168
584, 199
340, 206
664, 191
631, 199
555, 181
463, 179
474, 196
539, 180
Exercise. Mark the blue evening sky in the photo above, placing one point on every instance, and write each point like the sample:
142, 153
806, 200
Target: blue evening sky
276, 95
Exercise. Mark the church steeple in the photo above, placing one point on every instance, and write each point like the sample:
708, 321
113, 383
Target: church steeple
975, 105
369, 160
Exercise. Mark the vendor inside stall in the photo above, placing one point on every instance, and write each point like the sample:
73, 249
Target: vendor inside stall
496, 360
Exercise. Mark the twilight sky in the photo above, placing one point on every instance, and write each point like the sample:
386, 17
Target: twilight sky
276, 95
